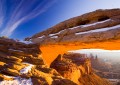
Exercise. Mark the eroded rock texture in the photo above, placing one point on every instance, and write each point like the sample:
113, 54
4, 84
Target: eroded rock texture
77, 68
22, 64
99, 25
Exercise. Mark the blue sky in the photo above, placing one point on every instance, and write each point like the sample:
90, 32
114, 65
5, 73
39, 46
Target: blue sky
24, 18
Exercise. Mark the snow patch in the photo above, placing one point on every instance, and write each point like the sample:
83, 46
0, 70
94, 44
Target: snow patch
16, 50
17, 81
26, 42
26, 69
82, 26
56, 33
42, 36
99, 30
75, 27
52, 34
54, 37
96, 23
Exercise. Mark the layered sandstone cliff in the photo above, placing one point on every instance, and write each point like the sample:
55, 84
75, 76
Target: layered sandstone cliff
99, 25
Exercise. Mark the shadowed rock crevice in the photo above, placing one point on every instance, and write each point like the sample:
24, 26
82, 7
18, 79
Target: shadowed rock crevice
102, 18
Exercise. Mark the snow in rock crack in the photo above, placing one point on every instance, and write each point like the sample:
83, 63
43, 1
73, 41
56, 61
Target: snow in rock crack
26, 69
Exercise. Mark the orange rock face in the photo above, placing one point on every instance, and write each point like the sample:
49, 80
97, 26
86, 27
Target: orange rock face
76, 67
23, 60
55, 50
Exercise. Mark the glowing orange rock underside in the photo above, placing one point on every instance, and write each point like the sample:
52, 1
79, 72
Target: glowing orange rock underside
50, 52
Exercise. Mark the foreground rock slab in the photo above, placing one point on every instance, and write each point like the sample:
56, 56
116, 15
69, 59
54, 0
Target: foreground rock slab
21, 63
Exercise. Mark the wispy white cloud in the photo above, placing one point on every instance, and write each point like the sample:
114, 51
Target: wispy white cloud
2, 12
23, 13
10, 28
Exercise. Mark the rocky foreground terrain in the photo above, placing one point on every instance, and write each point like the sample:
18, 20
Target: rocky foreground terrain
21, 63
99, 25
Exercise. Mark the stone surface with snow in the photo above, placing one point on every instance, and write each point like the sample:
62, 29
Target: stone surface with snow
99, 25
26, 69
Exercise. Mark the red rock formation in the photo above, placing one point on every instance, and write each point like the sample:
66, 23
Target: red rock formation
77, 68
21, 60
89, 27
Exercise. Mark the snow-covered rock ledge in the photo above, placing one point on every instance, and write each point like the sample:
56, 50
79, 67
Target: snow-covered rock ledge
17, 81
26, 69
